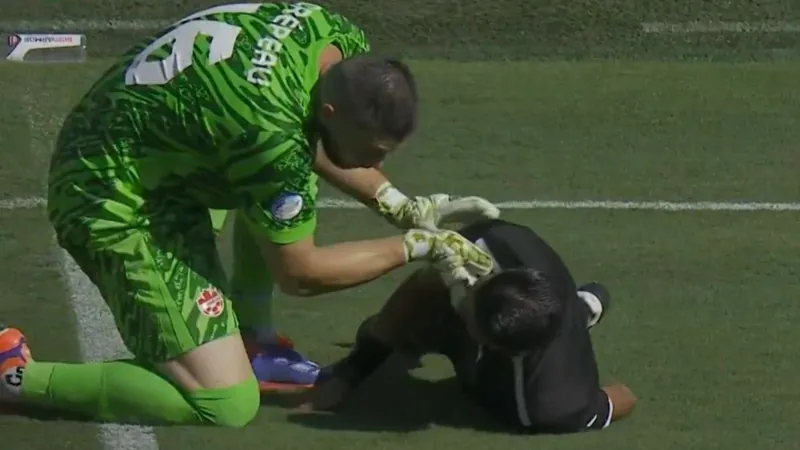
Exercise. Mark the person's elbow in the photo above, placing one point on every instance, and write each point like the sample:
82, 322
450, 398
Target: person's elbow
296, 290
298, 284
298, 274
292, 266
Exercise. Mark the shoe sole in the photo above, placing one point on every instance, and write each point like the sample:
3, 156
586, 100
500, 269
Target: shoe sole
269, 387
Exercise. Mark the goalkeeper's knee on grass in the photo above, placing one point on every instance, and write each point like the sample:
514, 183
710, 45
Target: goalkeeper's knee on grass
232, 407
125, 392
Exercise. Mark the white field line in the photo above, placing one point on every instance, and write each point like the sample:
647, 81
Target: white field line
721, 27
98, 338
332, 203
696, 26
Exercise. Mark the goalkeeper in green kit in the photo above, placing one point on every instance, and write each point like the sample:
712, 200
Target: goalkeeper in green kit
225, 111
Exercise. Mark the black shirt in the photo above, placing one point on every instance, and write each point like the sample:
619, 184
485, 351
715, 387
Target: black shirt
554, 387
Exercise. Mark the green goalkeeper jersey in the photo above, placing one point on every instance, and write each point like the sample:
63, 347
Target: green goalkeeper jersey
214, 112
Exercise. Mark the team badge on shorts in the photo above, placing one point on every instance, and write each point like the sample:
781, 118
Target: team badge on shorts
287, 206
210, 302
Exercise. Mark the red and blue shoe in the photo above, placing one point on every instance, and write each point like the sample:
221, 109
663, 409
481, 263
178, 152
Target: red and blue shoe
279, 367
14, 356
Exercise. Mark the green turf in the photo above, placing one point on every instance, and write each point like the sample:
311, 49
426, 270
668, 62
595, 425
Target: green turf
33, 297
483, 30
703, 326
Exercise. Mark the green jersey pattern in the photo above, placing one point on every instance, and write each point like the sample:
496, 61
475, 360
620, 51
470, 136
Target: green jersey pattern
214, 112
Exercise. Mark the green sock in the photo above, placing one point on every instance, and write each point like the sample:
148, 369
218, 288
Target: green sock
116, 391
251, 281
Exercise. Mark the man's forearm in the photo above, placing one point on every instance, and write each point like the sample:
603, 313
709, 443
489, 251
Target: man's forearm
340, 266
359, 183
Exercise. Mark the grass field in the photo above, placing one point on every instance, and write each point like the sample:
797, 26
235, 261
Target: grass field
704, 328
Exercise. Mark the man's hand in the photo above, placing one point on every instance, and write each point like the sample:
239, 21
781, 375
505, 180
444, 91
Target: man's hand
324, 396
459, 260
429, 213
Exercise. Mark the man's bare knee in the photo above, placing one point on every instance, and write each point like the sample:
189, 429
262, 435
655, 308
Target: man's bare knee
217, 364
217, 380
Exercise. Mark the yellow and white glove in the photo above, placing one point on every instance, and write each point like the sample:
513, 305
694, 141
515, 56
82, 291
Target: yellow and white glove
460, 261
428, 213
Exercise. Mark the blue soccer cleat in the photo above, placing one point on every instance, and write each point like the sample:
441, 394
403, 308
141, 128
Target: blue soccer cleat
279, 368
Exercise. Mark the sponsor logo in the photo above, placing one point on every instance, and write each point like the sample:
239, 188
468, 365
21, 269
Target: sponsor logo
21, 44
49, 38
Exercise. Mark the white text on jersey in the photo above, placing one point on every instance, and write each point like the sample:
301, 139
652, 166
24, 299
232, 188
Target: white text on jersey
265, 57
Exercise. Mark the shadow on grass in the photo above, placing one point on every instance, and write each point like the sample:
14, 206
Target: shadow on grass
41, 414
394, 400
391, 400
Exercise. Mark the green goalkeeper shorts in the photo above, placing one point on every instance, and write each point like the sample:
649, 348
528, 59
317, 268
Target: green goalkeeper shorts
218, 218
162, 280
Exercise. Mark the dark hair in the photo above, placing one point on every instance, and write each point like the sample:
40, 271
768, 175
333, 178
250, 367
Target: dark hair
383, 95
517, 309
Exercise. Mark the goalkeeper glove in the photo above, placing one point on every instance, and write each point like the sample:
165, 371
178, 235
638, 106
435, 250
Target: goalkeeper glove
460, 261
429, 212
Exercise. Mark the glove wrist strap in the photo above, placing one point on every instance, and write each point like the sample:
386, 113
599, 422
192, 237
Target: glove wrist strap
417, 244
389, 199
